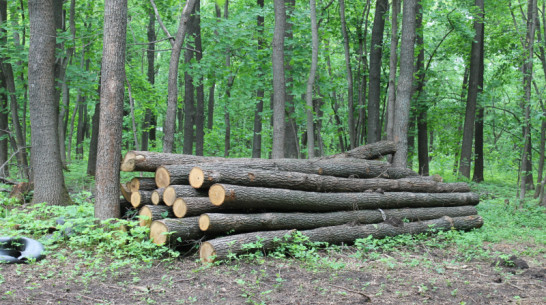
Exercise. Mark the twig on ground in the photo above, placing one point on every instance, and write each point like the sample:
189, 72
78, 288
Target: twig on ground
368, 299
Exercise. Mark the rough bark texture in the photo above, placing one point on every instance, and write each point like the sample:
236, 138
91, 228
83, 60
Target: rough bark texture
111, 115
147, 161
350, 103
150, 54
142, 184
49, 183
195, 206
405, 81
187, 229
257, 138
189, 88
200, 90
174, 191
172, 174
242, 197
172, 93
205, 177
393, 63
376, 52
221, 223
311, 81
4, 134
141, 198
279, 84
370, 151
221, 248
149, 213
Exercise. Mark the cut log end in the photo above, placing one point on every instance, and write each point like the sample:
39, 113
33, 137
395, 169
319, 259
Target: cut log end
128, 163
169, 196
179, 208
156, 198
145, 217
158, 232
125, 192
217, 194
206, 252
135, 199
162, 177
204, 222
197, 177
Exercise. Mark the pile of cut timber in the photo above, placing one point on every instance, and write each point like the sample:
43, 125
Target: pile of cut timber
334, 199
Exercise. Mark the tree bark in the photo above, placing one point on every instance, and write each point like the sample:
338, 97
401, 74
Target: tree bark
370, 151
150, 55
49, 183
204, 177
149, 213
350, 103
393, 63
142, 184
111, 117
279, 84
260, 94
184, 229
189, 88
224, 247
291, 141
376, 52
147, 161
172, 90
242, 197
173, 174
194, 206
238, 223
92, 159
200, 91
141, 198
4, 132
419, 95
311, 81
173, 192
405, 82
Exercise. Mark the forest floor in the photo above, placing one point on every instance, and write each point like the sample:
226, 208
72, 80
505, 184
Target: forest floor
504, 262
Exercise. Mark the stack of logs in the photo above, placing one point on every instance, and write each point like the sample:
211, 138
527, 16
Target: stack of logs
226, 203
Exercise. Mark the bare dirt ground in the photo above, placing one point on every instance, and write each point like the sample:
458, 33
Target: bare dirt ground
422, 275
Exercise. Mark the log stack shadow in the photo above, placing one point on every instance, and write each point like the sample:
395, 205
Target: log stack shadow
225, 204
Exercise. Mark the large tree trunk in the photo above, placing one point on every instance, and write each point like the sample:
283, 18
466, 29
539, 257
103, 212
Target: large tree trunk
150, 55
350, 103
172, 91
473, 84
147, 161
370, 151
478, 130
111, 115
49, 183
393, 60
204, 177
405, 82
189, 88
225, 247
279, 84
238, 223
243, 197
311, 81
419, 95
291, 141
376, 52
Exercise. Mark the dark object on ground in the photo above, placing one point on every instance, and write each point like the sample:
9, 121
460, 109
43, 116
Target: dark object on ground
20, 250
512, 261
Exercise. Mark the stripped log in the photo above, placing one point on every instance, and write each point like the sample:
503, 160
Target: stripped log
142, 184
194, 206
221, 223
222, 248
174, 191
149, 213
244, 197
141, 198
172, 229
172, 174
204, 177
157, 196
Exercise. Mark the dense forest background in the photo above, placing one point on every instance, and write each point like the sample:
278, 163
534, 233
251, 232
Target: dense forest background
475, 97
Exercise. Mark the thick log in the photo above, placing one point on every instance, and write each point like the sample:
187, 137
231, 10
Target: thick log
147, 161
221, 223
149, 213
173, 174
142, 184
157, 196
174, 191
221, 248
141, 198
171, 229
195, 206
204, 177
125, 192
244, 197
369, 151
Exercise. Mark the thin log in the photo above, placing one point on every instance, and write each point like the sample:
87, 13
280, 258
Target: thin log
157, 196
149, 213
244, 197
147, 161
370, 151
173, 174
174, 191
222, 223
204, 177
141, 198
194, 206
223, 247
142, 184
174, 229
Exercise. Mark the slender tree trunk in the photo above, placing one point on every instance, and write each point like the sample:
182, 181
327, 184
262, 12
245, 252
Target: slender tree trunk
478, 136
291, 142
393, 63
420, 102
172, 91
210, 105
260, 94
230, 80
363, 71
111, 117
44, 108
200, 92
350, 103
4, 132
468, 130
189, 90
405, 82
92, 159
82, 116
376, 52
311, 81
460, 128
150, 55
335, 106
279, 85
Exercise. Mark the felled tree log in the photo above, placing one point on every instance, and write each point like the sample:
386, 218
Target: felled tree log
174, 191
194, 206
244, 197
157, 196
221, 223
369, 151
125, 192
173, 174
221, 248
149, 213
147, 161
141, 198
171, 229
142, 184
204, 177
